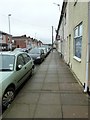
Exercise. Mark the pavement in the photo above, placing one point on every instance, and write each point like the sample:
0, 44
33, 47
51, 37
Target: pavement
52, 92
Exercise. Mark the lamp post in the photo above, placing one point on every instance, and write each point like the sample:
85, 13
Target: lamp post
10, 44
9, 22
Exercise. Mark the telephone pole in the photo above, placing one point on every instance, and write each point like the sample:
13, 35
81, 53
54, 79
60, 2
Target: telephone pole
52, 38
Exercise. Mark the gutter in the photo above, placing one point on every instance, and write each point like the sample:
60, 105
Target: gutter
61, 16
88, 53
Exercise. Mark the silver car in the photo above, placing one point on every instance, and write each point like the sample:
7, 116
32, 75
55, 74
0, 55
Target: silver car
15, 67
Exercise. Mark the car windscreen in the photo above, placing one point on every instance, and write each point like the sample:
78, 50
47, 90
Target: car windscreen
7, 62
34, 51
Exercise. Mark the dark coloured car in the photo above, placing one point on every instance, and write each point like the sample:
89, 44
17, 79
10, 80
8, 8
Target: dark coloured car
37, 55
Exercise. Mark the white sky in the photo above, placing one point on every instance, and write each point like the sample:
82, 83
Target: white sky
34, 18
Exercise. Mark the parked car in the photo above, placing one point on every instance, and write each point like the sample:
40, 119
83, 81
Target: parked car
15, 67
18, 49
47, 49
21, 49
44, 49
37, 55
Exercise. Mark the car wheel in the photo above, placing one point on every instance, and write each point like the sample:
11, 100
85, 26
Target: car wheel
8, 97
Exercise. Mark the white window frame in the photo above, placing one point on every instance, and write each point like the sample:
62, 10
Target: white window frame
78, 42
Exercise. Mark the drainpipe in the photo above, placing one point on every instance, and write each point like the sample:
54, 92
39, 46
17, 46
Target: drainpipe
88, 52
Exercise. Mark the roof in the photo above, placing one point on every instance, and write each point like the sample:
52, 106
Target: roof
61, 16
10, 52
22, 36
1, 32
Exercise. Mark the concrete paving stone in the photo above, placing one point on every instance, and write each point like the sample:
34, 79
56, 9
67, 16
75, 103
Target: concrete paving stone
51, 76
65, 75
61, 63
27, 98
63, 71
75, 111
39, 76
48, 111
44, 64
70, 87
21, 111
41, 73
32, 86
54, 69
51, 80
49, 98
39, 80
67, 80
43, 67
51, 86
74, 99
52, 72
62, 67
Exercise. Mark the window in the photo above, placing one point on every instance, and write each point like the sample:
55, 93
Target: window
7, 62
78, 41
26, 58
20, 60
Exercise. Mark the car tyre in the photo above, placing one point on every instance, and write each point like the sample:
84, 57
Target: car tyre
8, 97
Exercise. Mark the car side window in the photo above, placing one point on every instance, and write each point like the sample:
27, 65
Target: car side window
20, 60
26, 57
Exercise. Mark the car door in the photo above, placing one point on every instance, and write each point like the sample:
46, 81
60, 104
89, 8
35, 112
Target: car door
20, 73
42, 54
28, 63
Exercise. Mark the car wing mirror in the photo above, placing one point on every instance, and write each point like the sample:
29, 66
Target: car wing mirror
19, 67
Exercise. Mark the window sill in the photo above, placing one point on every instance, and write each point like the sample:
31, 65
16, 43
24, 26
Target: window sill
77, 59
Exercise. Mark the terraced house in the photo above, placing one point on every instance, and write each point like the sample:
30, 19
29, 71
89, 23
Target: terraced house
73, 39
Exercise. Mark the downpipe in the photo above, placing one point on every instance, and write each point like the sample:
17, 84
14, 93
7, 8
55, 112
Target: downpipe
88, 53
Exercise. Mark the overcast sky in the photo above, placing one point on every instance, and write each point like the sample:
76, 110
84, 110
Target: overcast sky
31, 17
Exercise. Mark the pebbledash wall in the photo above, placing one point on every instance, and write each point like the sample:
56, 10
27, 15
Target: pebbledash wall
73, 29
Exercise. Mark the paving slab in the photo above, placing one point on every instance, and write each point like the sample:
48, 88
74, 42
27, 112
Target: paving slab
51, 80
21, 111
32, 86
49, 98
51, 86
27, 98
70, 87
66, 75
75, 111
74, 99
51, 111
67, 79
